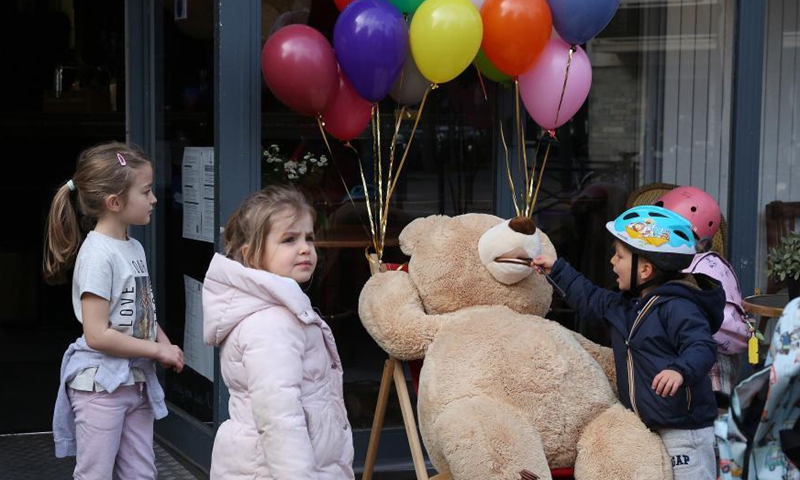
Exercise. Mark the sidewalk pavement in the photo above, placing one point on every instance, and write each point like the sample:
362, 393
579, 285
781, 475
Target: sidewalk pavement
31, 456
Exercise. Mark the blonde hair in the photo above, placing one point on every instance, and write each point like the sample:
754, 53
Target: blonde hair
103, 170
253, 220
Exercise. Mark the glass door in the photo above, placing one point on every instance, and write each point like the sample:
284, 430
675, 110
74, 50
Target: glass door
183, 125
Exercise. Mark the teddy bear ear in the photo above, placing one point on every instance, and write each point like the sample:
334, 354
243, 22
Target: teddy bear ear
417, 230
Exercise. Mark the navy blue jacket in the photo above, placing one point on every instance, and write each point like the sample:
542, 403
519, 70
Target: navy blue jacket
674, 334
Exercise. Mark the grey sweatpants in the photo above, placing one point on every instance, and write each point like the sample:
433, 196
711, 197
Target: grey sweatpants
692, 453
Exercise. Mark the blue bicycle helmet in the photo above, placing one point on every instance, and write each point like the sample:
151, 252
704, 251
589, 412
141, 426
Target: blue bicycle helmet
661, 236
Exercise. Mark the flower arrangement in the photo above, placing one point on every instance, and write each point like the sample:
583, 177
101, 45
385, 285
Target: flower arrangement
306, 171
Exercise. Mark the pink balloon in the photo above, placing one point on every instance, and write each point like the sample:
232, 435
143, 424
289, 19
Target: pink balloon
541, 86
347, 114
300, 68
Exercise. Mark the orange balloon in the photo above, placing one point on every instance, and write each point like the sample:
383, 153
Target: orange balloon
515, 32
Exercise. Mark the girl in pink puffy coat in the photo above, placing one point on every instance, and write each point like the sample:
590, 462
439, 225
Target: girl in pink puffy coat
278, 357
704, 213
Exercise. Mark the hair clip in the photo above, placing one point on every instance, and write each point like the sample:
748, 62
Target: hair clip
121, 159
71, 185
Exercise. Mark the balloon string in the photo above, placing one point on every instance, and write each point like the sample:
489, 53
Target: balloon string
372, 226
520, 139
408, 145
530, 197
480, 79
564, 87
541, 175
347, 189
508, 168
379, 155
392, 173
321, 125
393, 146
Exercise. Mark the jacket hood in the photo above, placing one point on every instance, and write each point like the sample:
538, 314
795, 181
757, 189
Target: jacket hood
233, 292
701, 289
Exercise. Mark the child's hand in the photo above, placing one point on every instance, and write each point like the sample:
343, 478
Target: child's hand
170, 356
544, 262
667, 383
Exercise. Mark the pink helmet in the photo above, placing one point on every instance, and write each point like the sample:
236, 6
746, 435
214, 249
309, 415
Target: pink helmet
695, 205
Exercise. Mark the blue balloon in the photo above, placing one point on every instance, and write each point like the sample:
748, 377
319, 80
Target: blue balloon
370, 39
578, 21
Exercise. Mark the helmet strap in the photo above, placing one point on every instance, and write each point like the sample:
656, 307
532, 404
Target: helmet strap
658, 279
634, 288
648, 283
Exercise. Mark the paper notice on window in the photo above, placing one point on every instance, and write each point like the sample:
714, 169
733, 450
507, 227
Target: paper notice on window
198, 193
199, 356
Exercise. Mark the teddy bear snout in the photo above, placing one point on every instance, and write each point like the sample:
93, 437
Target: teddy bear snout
502, 242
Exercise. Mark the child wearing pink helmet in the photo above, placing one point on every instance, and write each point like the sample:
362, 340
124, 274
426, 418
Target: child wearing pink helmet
704, 213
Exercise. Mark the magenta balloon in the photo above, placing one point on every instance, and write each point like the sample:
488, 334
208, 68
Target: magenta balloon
348, 114
299, 66
541, 86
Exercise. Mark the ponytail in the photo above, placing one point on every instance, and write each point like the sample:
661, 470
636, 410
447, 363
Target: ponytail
63, 236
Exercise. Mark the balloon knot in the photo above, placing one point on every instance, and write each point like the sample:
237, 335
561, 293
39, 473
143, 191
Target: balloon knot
552, 133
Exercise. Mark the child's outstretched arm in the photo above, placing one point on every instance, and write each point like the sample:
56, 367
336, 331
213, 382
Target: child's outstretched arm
588, 299
95, 311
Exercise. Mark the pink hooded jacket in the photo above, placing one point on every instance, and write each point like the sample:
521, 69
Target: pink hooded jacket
280, 364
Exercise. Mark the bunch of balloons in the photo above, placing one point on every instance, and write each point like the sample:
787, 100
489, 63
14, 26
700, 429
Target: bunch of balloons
377, 52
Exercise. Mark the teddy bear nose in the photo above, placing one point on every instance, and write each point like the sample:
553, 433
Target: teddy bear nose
523, 225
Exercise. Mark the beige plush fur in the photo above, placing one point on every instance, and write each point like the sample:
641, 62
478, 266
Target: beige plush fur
502, 389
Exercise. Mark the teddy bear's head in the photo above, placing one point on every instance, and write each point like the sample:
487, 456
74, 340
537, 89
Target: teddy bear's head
453, 263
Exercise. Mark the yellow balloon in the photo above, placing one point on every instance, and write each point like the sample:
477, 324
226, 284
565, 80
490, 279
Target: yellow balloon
445, 36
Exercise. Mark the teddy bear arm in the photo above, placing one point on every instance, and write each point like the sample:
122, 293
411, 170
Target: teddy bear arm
602, 355
392, 313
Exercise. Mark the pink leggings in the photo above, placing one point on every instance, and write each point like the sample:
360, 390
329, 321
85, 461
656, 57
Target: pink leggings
114, 434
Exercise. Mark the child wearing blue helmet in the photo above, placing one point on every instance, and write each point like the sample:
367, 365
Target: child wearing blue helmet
662, 322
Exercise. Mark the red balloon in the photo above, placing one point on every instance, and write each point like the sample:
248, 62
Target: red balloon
342, 3
300, 68
348, 114
515, 32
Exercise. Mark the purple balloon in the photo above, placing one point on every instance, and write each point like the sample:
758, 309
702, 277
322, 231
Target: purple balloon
578, 21
371, 43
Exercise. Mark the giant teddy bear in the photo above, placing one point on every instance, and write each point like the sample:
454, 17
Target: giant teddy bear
502, 389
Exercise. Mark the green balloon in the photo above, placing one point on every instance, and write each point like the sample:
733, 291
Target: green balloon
406, 6
488, 69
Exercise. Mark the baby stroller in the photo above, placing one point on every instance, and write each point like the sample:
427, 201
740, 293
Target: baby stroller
759, 437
